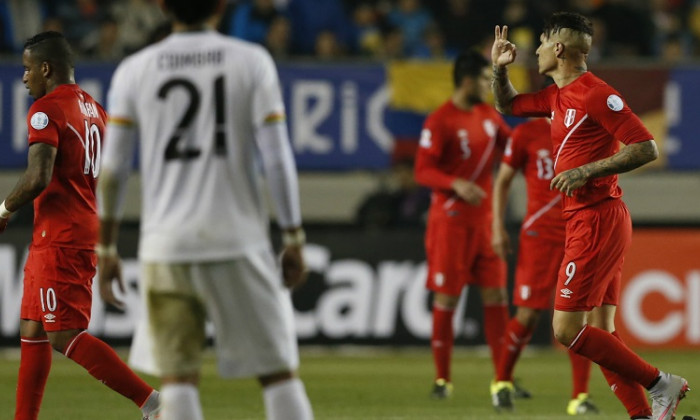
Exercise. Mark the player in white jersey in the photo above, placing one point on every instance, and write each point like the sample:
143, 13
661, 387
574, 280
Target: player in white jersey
209, 115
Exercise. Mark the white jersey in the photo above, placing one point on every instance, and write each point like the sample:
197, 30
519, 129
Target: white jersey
198, 100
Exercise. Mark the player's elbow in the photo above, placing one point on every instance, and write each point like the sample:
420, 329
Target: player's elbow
649, 150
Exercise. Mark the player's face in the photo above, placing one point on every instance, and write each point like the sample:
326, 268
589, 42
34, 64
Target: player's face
481, 85
33, 77
546, 58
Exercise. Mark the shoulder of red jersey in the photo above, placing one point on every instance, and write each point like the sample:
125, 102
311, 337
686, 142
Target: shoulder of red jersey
42, 111
604, 99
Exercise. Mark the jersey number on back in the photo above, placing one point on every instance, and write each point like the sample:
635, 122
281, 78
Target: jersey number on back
93, 143
172, 151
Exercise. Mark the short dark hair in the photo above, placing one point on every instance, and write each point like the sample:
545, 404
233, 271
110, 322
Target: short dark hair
469, 63
192, 11
51, 47
569, 20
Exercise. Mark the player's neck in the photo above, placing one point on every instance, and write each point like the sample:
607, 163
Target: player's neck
566, 73
195, 27
51, 85
462, 101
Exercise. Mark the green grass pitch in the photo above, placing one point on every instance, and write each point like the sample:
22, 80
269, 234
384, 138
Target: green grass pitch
360, 383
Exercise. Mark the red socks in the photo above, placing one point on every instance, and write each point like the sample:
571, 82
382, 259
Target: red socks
580, 374
102, 362
495, 321
631, 394
34, 367
603, 348
623, 369
442, 341
515, 339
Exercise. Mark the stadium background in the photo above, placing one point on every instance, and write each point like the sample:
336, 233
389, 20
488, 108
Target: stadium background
346, 112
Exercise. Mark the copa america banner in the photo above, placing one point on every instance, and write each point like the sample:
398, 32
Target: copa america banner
367, 287
341, 116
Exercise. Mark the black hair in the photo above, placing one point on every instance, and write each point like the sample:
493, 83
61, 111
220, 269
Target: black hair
469, 63
192, 11
569, 20
51, 47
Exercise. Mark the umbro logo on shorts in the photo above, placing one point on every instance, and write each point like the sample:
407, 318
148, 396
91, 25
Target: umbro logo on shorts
50, 318
566, 293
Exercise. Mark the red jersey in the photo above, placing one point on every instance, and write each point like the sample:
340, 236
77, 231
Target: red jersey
589, 117
65, 213
530, 151
457, 143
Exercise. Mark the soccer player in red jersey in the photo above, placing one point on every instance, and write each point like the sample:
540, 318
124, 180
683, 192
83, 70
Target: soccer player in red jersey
455, 158
66, 126
541, 249
589, 118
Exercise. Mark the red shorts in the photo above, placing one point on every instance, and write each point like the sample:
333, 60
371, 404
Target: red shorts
536, 273
58, 287
596, 241
461, 255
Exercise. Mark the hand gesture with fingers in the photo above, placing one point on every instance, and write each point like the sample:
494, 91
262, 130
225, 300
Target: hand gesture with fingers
503, 51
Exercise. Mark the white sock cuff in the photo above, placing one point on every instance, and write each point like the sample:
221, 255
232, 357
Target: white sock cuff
287, 400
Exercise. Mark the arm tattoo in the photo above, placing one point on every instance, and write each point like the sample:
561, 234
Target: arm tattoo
630, 157
35, 178
503, 90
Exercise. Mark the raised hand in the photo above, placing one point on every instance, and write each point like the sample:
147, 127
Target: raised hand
503, 51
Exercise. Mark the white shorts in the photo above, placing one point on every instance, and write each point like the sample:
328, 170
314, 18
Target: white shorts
249, 307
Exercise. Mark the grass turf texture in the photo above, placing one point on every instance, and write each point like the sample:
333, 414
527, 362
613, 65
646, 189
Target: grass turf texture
360, 384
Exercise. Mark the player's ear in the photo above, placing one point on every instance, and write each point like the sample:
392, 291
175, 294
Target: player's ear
559, 49
46, 69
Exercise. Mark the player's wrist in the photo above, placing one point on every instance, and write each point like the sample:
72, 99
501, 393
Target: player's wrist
499, 70
293, 237
103, 250
4, 212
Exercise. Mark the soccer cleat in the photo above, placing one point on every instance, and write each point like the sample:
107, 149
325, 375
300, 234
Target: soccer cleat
689, 418
666, 395
502, 395
520, 392
441, 390
582, 404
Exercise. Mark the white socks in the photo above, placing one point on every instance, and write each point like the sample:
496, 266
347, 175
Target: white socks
180, 402
287, 400
152, 403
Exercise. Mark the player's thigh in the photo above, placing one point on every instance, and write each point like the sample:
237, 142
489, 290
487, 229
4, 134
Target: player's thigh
177, 317
58, 288
252, 315
596, 242
450, 250
488, 270
536, 272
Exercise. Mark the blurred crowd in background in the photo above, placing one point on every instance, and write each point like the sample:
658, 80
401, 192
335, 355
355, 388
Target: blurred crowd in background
667, 30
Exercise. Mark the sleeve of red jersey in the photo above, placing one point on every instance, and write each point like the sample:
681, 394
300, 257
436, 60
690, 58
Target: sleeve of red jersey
533, 104
44, 123
607, 107
427, 168
513, 155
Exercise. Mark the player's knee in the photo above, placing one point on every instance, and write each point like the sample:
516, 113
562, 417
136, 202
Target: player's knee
565, 332
273, 378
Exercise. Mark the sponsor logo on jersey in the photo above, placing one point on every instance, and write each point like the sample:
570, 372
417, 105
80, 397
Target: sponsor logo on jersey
569, 117
566, 293
425, 141
615, 103
50, 318
525, 292
39, 120
439, 279
509, 147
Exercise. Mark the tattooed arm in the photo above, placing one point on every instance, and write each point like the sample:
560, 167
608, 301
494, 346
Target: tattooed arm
630, 157
36, 177
503, 53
